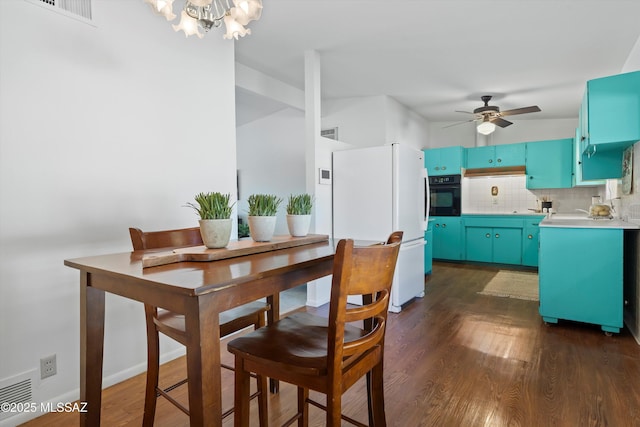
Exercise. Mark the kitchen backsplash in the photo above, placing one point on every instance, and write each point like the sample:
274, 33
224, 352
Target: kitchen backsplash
509, 194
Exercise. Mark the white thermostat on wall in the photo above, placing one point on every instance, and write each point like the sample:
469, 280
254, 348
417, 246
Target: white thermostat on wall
324, 176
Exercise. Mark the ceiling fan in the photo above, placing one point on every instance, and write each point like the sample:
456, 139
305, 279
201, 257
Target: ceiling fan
490, 116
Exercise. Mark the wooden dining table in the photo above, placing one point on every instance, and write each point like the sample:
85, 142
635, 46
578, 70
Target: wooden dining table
200, 291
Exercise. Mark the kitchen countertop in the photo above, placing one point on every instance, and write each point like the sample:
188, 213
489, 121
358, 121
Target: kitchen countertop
577, 221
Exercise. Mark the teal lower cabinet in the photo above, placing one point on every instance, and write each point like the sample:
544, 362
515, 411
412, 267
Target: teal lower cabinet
499, 245
447, 238
581, 276
428, 250
530, 242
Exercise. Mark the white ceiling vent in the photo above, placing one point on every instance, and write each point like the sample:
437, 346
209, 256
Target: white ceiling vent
76, 9
16, 394
330, 133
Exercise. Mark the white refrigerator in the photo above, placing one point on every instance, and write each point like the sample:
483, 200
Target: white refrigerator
377, 191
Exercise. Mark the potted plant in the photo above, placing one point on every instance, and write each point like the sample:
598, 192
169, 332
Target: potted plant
299, 214
262, 216
214, 210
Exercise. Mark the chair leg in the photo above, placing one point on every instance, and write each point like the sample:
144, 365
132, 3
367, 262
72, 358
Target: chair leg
153, 369
241, 394
263, 391
334, 409
303, 407
376, 396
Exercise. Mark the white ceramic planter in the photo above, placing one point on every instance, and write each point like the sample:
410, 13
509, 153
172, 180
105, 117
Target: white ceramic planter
298, 225
215, 232
261, 228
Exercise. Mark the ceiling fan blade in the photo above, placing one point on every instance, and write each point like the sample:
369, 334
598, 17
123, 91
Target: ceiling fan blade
523, 110
500, 122
459, 123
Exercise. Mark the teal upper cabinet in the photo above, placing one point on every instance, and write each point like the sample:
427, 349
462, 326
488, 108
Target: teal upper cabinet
609, 122
550, 164
588, 163
443, 161
611, 113
494, 156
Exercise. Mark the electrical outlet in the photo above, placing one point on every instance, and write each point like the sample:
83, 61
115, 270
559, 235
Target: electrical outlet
48, 366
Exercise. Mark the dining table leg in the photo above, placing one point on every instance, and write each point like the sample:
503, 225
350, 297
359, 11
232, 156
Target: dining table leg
202, 324
91, 350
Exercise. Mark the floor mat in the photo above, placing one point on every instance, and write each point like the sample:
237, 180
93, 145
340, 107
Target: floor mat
513, 284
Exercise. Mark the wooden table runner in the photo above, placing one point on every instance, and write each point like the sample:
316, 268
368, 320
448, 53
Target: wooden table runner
235, 248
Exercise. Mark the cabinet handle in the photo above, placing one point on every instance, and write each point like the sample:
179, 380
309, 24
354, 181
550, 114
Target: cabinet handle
497, 235
437, 168
490, 160
444, 168
499, 160
530, 236
444, 225
437, 225
487, 235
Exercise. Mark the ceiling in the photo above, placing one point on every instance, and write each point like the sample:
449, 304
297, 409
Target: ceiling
439, 56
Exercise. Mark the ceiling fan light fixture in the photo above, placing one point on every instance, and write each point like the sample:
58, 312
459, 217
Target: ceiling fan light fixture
486, 127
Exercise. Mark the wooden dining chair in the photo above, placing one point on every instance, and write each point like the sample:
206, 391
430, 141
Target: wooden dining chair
173, 325
327, 355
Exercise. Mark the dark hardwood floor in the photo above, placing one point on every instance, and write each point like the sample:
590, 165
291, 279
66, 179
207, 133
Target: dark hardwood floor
457, 358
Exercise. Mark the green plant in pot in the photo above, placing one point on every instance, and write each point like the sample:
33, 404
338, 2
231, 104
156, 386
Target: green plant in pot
299, 214
214, 210
262, 216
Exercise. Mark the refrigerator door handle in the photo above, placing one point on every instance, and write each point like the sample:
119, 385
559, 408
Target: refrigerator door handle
427, 196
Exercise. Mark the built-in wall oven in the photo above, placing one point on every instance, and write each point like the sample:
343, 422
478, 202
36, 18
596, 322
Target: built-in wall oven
444, 195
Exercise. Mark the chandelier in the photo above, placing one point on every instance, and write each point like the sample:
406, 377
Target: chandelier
204, 14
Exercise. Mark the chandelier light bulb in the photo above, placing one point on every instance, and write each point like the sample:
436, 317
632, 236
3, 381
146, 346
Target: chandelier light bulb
188, 25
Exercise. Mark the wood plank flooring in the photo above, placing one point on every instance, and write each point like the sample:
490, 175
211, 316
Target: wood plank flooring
457, 358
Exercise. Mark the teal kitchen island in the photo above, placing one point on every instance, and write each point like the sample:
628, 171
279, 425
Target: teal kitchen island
581, 271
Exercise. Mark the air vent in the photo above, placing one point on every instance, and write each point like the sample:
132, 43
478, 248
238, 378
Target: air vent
17, 391
77, 9
330, 133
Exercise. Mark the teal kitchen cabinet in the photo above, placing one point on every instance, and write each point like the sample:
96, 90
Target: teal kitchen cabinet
444, 161
550, 164
609, 122
494, 244
428, 249
581, 276
447, 238
581, 162
493, 239
492, 156
531, 241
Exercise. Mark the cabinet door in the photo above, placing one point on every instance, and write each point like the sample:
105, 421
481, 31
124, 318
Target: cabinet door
579, 163
481, 157
510, 154
451, 160
530, 243
506, 245
447, 238
479, 244
613, 110
432, 161
550, 164
443, 161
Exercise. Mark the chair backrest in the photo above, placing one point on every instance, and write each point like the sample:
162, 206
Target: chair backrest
164, 239
367, 271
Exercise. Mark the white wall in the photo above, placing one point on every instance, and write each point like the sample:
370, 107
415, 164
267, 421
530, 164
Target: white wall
271, 160
405, 126
360, 121
101, 128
